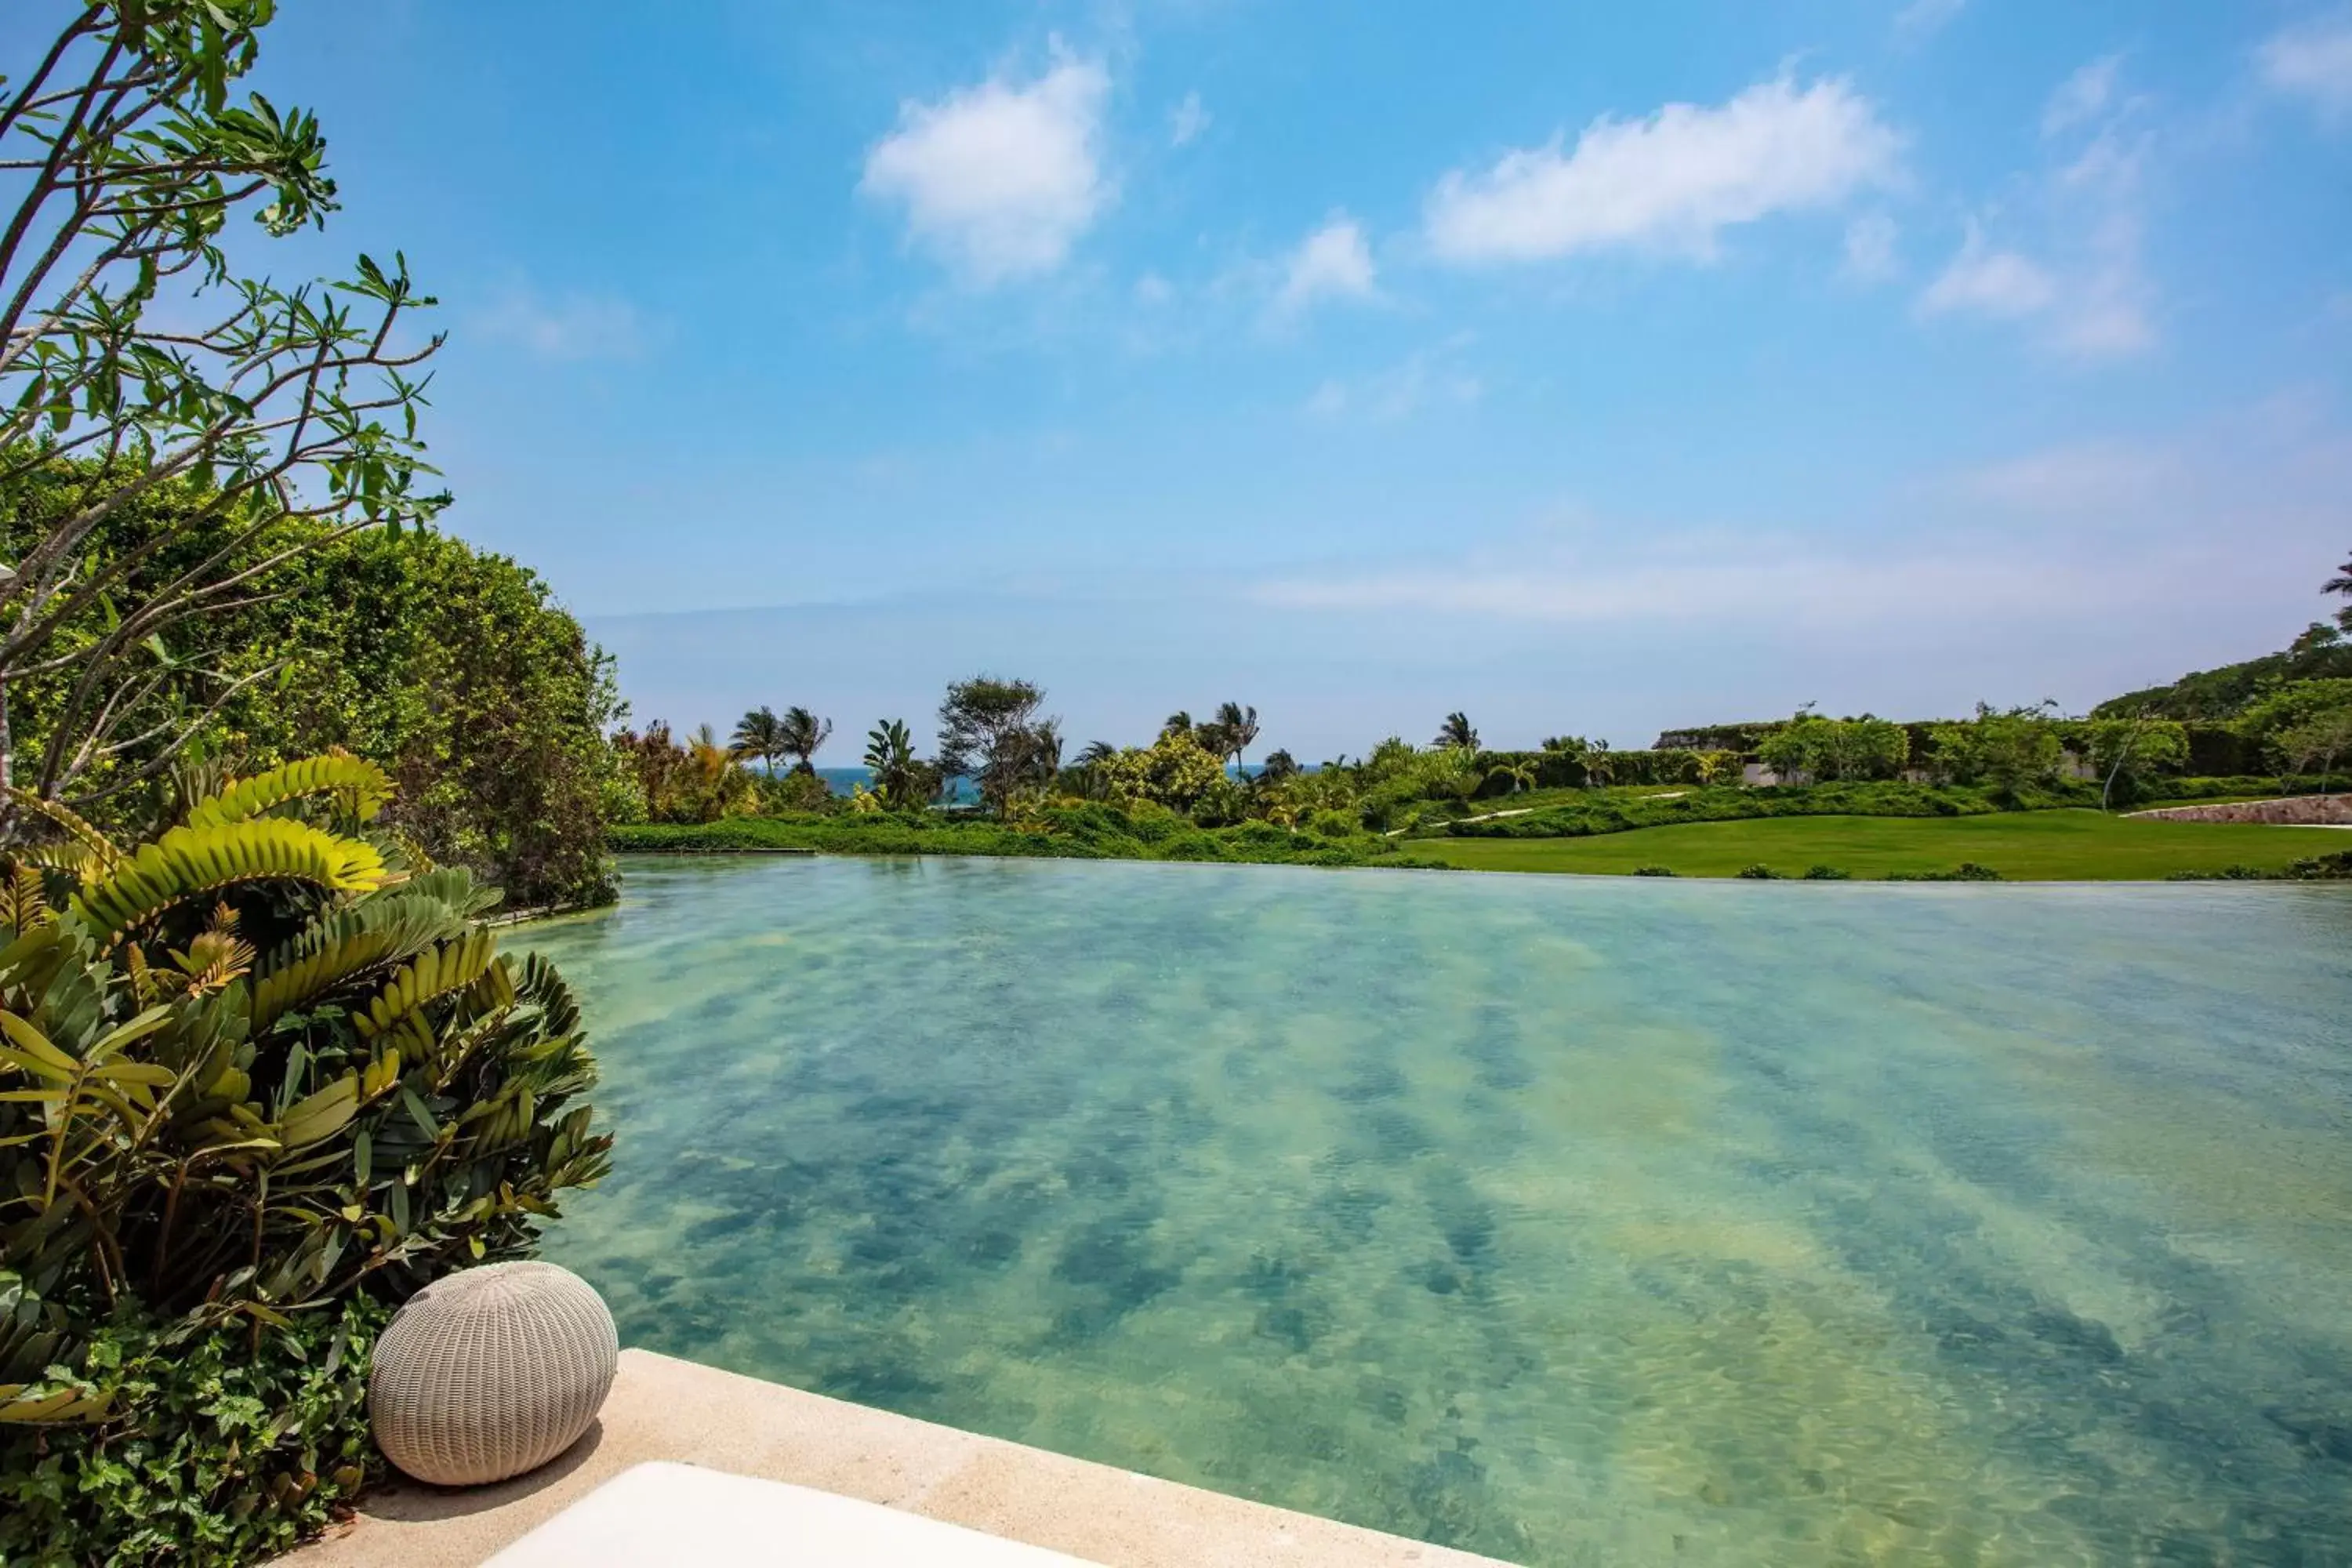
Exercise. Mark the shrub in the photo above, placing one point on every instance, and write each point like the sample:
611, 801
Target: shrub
1827, 874
222, 1445
1966, 871
1653, 871
266, 1064
454, 668
1759, 872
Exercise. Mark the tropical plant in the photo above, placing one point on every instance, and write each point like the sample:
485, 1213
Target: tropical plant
1236, 729
223, 1445
1600, 765
261, 1062
1713, 766
989, 732
2342, 584
902, 780
699, 781
802, 735
1516, 776
454, 668
130, 346
759, 736
1175, 772
1279, 767
1456, 733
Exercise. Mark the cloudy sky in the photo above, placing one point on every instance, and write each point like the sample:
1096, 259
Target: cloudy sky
1593, 368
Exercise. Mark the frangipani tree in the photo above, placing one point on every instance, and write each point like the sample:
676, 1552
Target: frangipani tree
138, 367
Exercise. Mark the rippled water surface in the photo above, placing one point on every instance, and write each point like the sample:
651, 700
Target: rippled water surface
1571, 1221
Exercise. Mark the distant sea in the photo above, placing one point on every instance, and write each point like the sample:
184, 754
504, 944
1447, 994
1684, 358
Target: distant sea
844, 781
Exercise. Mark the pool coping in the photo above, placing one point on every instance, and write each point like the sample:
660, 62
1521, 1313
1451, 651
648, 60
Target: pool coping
664, 1408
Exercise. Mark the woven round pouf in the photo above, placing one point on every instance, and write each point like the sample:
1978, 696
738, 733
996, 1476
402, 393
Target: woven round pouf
491, 1372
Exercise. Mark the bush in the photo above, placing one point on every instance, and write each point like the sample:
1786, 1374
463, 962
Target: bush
453, 669
224, 1445
1618, 813
1966, 871
264, 1068
1653, 871
1759, 872
1827, 874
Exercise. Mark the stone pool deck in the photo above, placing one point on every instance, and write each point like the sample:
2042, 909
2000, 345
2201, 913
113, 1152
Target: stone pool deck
662, 1408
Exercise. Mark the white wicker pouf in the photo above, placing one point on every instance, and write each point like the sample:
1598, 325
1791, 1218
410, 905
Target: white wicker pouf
491, 1372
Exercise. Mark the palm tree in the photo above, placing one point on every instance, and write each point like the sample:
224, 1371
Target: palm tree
1177, 723
1456, 733
1598, 767
1522, 775
1279, 766
1237, 728
2342, 584
802, 733
761, 735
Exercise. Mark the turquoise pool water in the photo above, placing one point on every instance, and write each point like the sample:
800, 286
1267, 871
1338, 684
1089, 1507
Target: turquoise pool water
1567, 1220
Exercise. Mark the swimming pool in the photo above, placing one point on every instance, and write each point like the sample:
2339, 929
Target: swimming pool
1567, 1220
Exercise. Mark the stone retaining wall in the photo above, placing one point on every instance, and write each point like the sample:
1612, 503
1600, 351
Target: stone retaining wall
2296, 810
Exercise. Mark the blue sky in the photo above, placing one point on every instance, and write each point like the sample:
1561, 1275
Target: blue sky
1590, 368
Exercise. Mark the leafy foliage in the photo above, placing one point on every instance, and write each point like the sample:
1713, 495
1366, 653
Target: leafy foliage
225, 1444
1840, 750
1090, 831
133, 358
2011, 751
902, 780
451, 669
700, 781
989, 732
258, 1066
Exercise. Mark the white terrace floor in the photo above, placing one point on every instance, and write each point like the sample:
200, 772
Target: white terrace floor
663, 1409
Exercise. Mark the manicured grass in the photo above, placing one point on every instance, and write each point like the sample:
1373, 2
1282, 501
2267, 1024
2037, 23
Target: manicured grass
2038, 846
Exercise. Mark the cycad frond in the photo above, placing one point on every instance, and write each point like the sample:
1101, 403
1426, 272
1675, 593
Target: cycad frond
362, 785
101, 849
193, 860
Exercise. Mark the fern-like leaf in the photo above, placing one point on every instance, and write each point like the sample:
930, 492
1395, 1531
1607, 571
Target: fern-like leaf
101, 848
362, 785
193, 860
431, 974
23, 904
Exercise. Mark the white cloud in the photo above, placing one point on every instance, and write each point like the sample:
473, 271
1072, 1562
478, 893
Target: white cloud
1427, 379
1000, 179
1153, 290
1187, 121
2083, 279
1983, 281
1870, 248
574, 325
1671, 181
2082, 96
2312, 61
1332, 263
1922, 18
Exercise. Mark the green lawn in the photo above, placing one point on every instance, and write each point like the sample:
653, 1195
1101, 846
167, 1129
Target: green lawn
2039, 846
